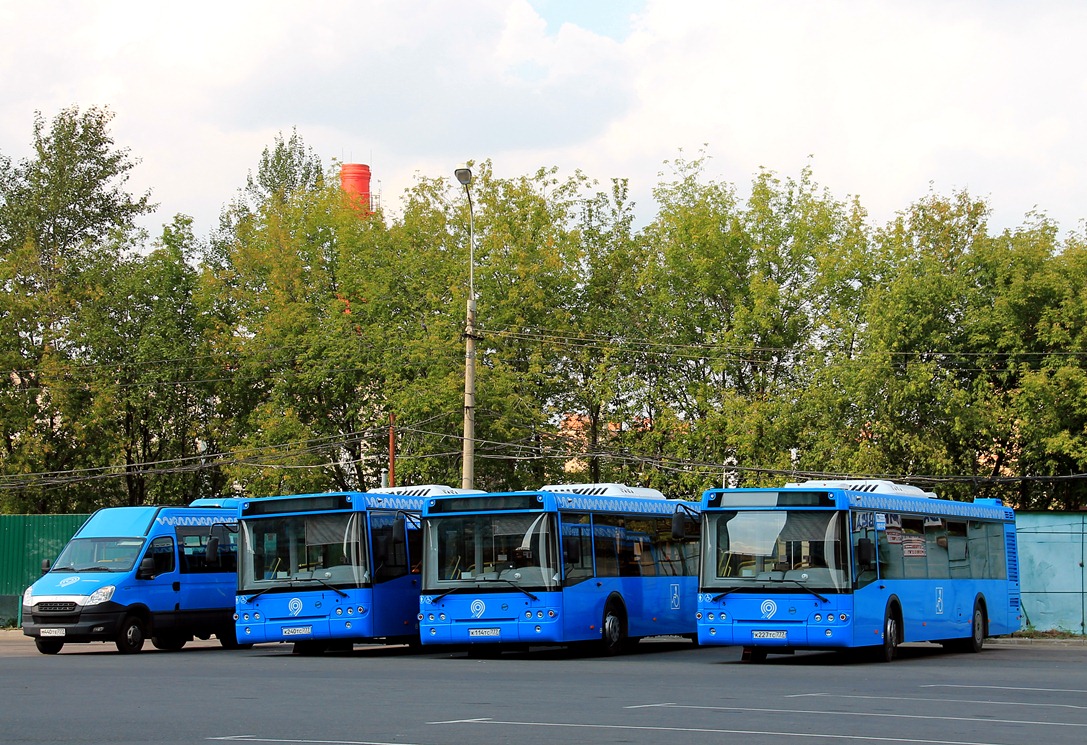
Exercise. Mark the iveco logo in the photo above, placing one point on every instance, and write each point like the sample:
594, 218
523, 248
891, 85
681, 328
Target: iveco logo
768, 608
294, 606
68, 581
477, 608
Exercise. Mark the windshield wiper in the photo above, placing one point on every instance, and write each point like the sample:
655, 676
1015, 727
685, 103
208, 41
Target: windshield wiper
798, 583
514, 584
729, 591
92, 569
336, 590
451, 590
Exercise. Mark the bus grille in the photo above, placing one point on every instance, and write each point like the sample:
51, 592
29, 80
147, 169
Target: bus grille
55, 608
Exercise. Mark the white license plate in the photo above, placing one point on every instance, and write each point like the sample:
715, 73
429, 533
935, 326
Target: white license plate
297, 630
51, 632
768, 635
484, 632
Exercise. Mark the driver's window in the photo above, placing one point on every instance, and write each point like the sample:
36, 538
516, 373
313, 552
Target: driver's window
162, 552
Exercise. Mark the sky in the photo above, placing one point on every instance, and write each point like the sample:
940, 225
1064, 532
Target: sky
885, 101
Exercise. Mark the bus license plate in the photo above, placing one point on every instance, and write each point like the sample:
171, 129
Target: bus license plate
484, 632
297, 630
51, 632
768, 635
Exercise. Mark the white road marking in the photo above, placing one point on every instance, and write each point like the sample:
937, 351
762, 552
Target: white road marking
707, 730
931, 700
254, 738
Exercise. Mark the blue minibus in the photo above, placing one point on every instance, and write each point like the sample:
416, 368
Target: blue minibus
854, 564
605, 564
132, 573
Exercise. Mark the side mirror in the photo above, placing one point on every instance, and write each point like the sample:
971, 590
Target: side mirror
400, 529
147, 568
45, 565
679, 526
866, 552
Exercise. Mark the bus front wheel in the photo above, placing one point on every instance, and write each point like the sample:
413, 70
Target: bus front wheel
612, 629
891, 634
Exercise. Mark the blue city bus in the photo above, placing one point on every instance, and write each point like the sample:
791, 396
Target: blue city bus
600, 563
325, 571
847, 564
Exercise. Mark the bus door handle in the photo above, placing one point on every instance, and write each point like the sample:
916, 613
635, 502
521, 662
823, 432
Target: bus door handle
599, 584
177, 587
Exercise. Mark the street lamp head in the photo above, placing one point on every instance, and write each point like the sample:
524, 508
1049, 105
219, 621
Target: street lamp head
464, 175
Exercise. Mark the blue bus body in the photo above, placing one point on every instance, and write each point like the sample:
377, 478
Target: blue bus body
324, 571
839, 565
566, 564
129, 573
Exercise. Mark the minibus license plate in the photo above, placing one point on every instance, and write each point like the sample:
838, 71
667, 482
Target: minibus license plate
484, 632
51, 632
768, 635
297, 630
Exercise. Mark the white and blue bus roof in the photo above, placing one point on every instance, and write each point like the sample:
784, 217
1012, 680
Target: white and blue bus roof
404, 498
615, 498
858, 494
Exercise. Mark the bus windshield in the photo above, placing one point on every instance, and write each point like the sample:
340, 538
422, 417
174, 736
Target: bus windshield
99, 555
289, 552
493, 551
787, 550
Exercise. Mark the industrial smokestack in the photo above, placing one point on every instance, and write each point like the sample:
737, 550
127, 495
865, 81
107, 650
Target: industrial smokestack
355, 183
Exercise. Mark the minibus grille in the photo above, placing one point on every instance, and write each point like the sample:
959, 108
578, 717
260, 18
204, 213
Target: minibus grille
55, 608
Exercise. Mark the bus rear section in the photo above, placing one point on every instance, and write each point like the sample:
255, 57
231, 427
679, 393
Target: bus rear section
564, 565
857, 564
135, 573
327, 571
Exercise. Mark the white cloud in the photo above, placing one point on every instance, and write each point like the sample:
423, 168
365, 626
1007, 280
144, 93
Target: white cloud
887, 97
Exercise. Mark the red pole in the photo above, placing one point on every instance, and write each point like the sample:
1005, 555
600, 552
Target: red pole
392, 449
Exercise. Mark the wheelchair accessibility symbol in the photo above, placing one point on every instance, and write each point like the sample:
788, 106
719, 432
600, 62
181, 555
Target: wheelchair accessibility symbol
675, 597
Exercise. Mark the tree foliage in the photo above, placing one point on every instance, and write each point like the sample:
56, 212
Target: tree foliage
746, 334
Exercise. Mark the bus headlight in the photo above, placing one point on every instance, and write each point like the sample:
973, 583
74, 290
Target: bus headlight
829, 632
28, 596
551, 614
819, 617
698, 616
339, 611
842, 617
528, 614
101, 595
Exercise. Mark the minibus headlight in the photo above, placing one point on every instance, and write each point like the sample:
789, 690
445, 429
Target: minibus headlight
28, 596
101, 595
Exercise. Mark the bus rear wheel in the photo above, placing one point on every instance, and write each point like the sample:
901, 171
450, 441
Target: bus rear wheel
976, 641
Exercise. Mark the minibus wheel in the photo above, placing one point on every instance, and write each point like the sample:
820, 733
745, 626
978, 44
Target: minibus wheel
48, 646
130, 635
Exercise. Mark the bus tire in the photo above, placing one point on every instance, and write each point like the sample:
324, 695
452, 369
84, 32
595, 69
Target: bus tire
753, 655
168, 642
613, 628
892, 633
228, 638
48, 646
976, 640
130, 635
978, 625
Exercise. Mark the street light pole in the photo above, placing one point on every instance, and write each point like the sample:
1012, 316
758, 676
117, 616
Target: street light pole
468, 472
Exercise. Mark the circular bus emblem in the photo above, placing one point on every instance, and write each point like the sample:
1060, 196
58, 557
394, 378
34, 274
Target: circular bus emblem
477, 608
768, 608
294, 606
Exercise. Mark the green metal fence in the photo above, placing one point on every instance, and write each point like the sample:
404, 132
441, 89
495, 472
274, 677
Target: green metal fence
24, 541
